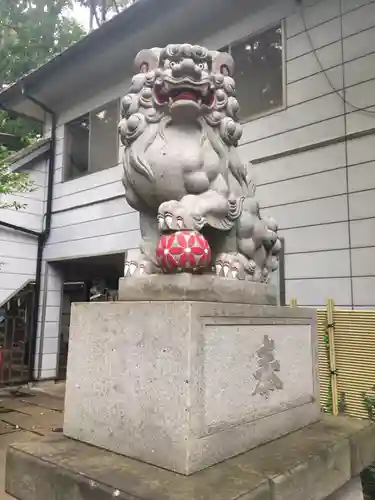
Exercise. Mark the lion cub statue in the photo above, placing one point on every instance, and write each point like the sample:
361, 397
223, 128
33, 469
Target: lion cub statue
180, 130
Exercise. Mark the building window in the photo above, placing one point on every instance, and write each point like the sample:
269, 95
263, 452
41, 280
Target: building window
91, 142
259, 77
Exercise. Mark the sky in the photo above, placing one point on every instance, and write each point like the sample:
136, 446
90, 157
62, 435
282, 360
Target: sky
81, 14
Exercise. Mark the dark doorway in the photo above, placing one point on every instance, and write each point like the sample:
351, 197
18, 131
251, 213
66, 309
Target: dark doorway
73, 292
15, 330
81, 279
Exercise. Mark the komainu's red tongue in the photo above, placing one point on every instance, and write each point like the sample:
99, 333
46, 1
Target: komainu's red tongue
187, 96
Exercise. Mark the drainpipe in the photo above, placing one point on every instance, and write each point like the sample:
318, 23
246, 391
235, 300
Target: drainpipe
42, 237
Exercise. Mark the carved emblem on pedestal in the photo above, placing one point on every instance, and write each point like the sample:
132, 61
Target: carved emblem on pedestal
266, 377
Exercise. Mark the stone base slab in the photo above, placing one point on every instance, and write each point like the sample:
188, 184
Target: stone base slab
310, 464
203, 288
184, 385
352, 490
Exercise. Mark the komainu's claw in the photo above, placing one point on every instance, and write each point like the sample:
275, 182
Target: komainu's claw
136, 264
231, 266
173, 216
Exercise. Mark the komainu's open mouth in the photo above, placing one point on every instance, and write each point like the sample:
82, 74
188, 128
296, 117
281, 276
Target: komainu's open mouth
185, 95
171, 94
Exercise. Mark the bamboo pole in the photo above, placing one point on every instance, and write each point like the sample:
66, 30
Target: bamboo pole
332, 354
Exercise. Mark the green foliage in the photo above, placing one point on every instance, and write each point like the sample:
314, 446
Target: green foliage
369, 402
328, 408
12, 182
102, 10
368, 475
26, 130
31, 32
4, 153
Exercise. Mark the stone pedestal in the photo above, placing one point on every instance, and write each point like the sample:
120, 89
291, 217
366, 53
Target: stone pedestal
319, 462
185, 384
202, 288
352, 490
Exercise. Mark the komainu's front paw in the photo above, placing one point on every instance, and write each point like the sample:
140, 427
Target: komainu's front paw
173, 216
136, 264
232, 266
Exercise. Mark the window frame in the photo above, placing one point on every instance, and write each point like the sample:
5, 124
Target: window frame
67, 149
238, 41
66, 138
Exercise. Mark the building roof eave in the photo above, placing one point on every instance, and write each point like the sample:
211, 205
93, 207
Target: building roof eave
28, 155
12, 96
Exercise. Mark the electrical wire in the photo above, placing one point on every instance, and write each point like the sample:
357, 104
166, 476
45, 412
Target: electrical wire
324, 71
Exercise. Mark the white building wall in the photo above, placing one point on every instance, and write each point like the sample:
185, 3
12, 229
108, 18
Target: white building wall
322, 198
18, 254
359, 75
49, 320
18, 250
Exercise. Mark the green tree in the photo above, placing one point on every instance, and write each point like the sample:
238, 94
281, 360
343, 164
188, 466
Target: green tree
102, 10
31, 32
12, 182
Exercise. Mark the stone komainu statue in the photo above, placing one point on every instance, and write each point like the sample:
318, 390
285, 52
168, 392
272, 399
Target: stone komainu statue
180, 130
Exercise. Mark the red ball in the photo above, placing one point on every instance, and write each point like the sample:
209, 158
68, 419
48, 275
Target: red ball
184, 251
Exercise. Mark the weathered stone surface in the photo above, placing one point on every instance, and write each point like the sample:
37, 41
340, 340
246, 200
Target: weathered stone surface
361, 435
5, 440
205, 288
310, 464
42, 421
350, 491
33, 400
6, 428
306, 465
175, 383
81, 472
362, 445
